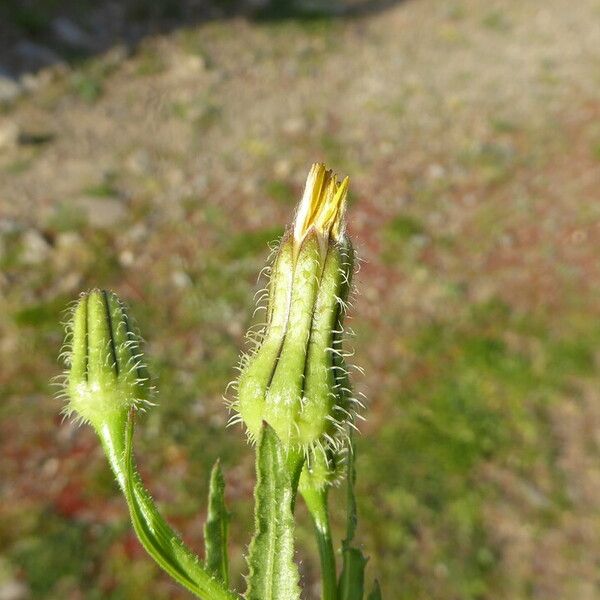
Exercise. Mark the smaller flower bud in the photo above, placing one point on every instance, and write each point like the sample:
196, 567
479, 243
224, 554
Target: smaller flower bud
320, 471
106, 375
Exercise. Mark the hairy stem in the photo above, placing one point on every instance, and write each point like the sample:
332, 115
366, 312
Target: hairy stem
154, 533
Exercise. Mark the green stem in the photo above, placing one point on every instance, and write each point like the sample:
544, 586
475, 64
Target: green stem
316, 501
327, 556
154, 533
273, 572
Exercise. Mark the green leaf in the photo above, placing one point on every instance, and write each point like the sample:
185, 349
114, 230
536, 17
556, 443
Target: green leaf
154, 533
352, 579
376, 592
215, 528
273, 573
351, 583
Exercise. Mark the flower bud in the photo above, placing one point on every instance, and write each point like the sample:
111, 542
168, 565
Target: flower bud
320, 471
106, 376
292, 381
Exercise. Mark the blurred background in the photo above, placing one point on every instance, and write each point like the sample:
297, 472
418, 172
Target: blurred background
155, 148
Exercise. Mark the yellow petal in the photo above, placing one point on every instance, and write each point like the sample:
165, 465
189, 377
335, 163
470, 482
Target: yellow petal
322, 205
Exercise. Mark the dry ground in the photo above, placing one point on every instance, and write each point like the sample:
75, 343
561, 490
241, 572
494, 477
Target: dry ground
471, 132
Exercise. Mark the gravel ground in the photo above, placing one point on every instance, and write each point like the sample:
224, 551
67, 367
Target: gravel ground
160, 160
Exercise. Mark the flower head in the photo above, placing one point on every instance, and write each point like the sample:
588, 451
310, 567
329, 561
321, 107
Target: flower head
294, 378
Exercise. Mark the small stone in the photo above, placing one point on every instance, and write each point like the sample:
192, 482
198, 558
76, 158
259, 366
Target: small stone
440, 570
137, 233
9, 227
198, 408
294, 126
102, 213
200, 183
68, 240
71, 254
139, 162
435, 171
195, 63
188, 65
116, 55
69, 283
234, 327
10, 89
36, 56
126, 258
71, 34
386, 148
13, 590
31, 82
9, 134
181, 279
50, 467
175, 176
249, 185
282, 168
36, 248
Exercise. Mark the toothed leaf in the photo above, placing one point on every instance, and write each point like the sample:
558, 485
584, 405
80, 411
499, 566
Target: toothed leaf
216, 526
273, 573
